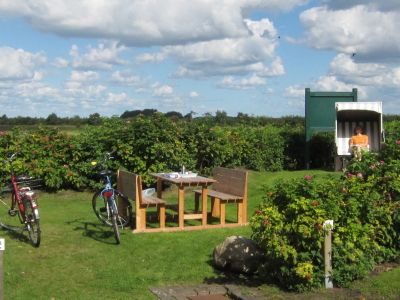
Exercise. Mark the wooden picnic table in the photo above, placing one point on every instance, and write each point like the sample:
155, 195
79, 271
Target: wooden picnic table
182, 182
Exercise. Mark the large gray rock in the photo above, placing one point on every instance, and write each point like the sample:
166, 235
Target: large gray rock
238, 254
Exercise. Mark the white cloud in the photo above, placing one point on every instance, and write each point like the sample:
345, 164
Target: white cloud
117, 98
295, 91
194, 94
150, 57
205, 37
263, 27
331, 83
163, 91
60, 62
79, 89
386, 5
142, 23
365, 35
103, 57
34, 90
324, 83
367, 74
223, 57
84, 76
371, 34
254, 53
242, 83
18, 64
277, 5
125, 78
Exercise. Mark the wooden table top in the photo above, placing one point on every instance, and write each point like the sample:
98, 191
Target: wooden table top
195, 180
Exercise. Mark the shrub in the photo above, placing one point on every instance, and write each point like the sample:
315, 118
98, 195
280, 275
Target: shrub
365, 207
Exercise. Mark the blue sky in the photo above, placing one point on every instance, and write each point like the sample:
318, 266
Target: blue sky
251, 56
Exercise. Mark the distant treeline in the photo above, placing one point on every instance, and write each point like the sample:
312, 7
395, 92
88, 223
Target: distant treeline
219, 118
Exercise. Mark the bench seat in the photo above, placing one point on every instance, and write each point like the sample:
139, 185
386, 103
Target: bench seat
221, 195
152, 201
230, 187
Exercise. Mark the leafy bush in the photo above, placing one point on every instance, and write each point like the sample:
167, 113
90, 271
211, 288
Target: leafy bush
142, 145
322, 150
365, 207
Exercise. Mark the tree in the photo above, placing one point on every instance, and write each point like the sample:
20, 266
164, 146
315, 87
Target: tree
174, 115
4, 119
95, 119
52, 119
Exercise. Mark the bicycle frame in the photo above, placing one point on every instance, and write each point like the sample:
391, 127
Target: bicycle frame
108, 195
20, 195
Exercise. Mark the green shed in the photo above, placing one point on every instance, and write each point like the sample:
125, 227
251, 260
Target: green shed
320, 113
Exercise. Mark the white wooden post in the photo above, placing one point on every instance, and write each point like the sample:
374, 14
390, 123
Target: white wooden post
328, 227
2, 248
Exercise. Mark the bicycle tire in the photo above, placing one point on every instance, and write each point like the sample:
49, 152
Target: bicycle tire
103, 213
32, 224
115, 228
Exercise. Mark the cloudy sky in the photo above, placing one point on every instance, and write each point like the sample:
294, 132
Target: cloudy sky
78, 57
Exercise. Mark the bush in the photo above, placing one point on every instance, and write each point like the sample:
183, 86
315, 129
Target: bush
142, 145
322, 150
365, 207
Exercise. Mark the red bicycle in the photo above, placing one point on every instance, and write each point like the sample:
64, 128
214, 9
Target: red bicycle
24, 203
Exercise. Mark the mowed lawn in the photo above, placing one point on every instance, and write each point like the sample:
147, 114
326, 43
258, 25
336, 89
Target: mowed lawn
78, 257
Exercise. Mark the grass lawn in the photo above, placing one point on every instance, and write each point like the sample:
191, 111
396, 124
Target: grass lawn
78, 257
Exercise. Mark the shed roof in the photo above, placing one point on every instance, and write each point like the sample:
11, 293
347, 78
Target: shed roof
366, 106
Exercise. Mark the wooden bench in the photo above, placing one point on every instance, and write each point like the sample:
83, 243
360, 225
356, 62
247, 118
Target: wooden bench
130, 185
231, 187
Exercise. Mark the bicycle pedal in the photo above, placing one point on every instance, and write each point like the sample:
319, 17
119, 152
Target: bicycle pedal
12, 212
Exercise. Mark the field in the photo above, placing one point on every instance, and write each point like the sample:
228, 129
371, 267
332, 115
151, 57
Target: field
78, 257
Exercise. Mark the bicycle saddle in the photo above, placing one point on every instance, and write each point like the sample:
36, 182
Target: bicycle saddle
106, 173
23, 177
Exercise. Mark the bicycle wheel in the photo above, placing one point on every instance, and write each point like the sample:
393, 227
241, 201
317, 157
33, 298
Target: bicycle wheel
115, 228
32, 223
103, 212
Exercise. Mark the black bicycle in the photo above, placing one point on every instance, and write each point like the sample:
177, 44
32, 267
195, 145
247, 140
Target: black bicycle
110, 205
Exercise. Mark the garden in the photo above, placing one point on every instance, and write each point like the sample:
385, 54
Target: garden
78, 258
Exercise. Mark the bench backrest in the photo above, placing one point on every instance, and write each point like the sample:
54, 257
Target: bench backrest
130, 185
230, 181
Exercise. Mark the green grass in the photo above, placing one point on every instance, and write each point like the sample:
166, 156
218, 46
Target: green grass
78, 257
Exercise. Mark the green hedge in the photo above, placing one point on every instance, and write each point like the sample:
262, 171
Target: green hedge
152, 144
142, 145
365, 207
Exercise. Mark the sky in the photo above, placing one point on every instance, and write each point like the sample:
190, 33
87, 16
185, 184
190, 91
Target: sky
79, 57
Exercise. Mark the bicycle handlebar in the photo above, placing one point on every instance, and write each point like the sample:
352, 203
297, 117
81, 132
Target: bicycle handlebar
11, 158
107, 156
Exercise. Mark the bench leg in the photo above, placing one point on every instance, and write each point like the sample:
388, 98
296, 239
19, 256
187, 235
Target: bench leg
240, 213
181, 206
196, 202
141, 219
161, 213
244, 210
215, 204
222, 212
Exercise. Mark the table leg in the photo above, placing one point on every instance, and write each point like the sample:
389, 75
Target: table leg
159, 188
181, 206
204, 195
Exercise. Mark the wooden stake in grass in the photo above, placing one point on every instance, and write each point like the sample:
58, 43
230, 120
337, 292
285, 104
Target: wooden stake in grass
2, 247
328, 226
